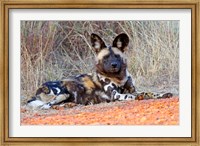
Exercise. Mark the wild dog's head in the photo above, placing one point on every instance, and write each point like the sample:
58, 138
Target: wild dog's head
110, 60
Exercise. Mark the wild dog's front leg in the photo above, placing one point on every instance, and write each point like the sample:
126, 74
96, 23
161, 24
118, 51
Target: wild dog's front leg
151, 95
118, 96
127, 91
119, 93
129, 86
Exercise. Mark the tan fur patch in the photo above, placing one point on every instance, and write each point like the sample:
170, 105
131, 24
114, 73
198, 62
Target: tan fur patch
61, 97
118, 82
88, 84
102, 53
46, 98
105, 52
95, 79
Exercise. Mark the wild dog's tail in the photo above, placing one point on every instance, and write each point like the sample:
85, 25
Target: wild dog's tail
47, 94
151, 95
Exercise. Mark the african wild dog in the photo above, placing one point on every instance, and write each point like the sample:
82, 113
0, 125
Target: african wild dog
110, 82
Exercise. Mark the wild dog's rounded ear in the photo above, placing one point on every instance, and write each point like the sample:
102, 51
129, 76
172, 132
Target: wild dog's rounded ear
39, 90
121, 42
97, 43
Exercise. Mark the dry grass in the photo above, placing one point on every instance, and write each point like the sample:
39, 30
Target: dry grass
52, 50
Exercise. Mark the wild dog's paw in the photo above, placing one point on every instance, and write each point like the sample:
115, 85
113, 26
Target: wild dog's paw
113, 95
150, 95
129, 97
140, 97
58, 107
117, 96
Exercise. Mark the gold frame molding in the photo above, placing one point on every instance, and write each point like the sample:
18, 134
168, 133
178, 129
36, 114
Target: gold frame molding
31, 4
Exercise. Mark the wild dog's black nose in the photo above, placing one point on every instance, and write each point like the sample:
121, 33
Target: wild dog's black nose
114, 65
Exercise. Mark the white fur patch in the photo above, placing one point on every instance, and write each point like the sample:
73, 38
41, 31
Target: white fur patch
51, 93
35, 103
122, 96
109, 85
102, 53
97, 45
58, 90
119, 44
101, 78
75, 94
45, 106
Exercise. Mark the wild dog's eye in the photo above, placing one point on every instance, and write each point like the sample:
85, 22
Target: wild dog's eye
105, 60
106, 57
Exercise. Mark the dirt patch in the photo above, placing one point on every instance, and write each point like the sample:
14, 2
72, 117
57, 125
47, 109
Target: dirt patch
144, 112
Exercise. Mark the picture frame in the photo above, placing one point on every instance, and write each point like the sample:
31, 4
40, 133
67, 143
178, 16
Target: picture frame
111, 4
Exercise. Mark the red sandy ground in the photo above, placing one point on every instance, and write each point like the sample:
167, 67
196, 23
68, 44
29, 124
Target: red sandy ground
143, 112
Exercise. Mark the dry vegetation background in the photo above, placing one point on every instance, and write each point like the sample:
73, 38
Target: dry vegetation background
52, 50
